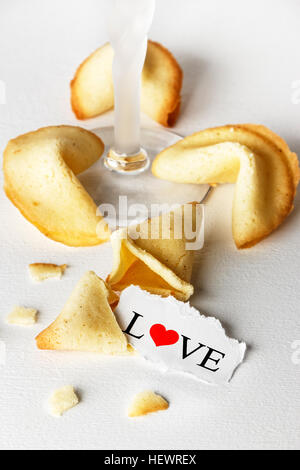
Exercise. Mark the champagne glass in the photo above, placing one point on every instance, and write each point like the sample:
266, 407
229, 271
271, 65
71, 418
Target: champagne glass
130, 149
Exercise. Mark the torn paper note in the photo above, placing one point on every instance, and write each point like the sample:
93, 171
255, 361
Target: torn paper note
176, 335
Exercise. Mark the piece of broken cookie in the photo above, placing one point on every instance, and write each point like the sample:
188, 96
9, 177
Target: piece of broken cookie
155, 254
41, 271
87, 322
145, 403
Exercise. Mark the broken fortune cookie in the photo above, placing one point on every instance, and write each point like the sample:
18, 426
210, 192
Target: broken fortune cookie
145, 403
87, 322
63, 400
22, 316
42, 271
155, 259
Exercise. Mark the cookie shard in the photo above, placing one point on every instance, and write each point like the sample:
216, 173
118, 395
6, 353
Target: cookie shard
42, 271
63, 400
261, 164
40, 171
22, 316
86, 323
145, 403
92, 87
156, 260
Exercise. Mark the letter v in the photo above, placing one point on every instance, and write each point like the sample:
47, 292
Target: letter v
185, 354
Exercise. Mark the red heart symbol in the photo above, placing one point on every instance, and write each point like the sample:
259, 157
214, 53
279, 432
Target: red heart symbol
163, 337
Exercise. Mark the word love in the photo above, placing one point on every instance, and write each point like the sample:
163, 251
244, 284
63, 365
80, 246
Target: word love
163, 337
177, 337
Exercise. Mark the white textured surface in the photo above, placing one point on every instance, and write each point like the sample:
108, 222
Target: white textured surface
240, 59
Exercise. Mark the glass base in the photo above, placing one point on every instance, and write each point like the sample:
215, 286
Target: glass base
127, 164
135, 197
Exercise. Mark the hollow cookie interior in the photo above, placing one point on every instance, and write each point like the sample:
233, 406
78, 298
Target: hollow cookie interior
160, 265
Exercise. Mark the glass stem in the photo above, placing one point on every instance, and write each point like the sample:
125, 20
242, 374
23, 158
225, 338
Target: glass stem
128, 28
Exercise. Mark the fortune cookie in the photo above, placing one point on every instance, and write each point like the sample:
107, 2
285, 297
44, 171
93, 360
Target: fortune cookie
92, 87
151, 256
261, 164
39, 178
87, 322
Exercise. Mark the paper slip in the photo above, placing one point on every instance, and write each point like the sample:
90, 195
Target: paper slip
177, 336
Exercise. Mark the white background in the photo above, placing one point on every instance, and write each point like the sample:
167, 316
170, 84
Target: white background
240, 60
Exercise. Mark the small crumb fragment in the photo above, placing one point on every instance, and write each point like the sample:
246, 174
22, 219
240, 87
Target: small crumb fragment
63, 400
22, 316
145, 403
42, 271
131, 351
